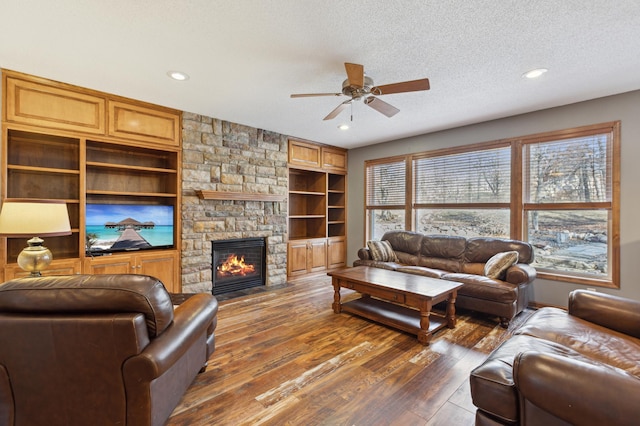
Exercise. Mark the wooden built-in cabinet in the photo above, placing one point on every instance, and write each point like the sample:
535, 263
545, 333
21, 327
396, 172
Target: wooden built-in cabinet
160, 264
66, 143
306, 256
317, 208
57, 267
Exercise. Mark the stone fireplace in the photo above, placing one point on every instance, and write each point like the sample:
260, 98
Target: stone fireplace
251, 166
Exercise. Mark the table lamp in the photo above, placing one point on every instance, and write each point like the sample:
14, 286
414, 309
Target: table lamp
34, 218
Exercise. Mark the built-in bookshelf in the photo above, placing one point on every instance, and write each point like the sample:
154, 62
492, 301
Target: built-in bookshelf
317, 208
80, 146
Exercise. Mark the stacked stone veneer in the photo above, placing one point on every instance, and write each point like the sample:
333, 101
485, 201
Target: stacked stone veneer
222, 156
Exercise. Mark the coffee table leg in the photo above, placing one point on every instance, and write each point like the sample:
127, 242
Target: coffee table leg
337, 307
451, 310
424, 336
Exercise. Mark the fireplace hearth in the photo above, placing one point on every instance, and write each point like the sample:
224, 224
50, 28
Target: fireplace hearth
238, 264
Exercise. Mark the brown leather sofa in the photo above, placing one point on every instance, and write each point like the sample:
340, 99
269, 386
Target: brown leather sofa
98, 350
463, 259
575, 367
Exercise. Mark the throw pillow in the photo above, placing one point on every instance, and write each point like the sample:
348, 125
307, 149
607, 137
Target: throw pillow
382, 250
499, 263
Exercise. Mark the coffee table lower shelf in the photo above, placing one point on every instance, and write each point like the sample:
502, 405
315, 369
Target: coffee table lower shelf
392, 315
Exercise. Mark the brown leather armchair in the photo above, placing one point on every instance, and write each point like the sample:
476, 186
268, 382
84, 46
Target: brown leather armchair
98, 349
579, 366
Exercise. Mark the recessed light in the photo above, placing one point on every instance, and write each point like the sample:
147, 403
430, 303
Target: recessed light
534, 73
177, 75
343, 127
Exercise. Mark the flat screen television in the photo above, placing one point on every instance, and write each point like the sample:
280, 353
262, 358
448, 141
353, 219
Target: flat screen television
125, 227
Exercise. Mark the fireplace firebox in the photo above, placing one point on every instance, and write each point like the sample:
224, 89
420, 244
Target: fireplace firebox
238, 264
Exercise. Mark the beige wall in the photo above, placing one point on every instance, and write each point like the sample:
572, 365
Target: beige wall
624, 107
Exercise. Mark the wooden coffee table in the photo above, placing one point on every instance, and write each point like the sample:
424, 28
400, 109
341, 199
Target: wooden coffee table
389, 296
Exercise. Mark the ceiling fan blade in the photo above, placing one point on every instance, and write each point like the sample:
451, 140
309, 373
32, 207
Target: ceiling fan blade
308, 95
381, 106
405, 86
355, 74
338, 110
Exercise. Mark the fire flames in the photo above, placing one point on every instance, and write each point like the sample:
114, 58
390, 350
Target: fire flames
235, 266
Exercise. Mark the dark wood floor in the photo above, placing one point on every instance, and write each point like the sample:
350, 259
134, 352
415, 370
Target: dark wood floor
284, 358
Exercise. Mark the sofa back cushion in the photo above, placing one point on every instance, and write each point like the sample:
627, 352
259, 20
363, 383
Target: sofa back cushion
481, 249
444, 252
87, 294
406, 245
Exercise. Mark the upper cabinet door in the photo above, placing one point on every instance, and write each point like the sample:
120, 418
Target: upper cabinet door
45, 105
137, 122
304, 154
334, 159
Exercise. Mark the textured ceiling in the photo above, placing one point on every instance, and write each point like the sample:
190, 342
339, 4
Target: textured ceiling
246, 57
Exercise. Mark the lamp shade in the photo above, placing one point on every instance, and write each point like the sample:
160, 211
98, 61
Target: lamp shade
29, 218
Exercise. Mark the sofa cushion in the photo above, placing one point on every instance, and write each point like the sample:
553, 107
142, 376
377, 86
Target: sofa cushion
382, 251
587, 338
445, 252
391, 266
496, 267
443, 246
404, 241
484, 288
423, 271
481, 249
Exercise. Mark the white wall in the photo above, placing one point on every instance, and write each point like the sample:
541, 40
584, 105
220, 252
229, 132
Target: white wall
624, 107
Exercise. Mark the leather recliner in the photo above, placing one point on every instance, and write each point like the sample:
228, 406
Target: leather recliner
98, 349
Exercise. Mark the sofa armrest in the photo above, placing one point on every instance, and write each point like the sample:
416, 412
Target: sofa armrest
614, 312
574, 391
197, 315
364, 254
520, 273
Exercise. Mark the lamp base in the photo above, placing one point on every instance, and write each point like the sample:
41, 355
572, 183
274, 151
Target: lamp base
35, 258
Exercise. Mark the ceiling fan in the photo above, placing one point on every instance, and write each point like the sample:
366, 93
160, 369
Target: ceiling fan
360, 87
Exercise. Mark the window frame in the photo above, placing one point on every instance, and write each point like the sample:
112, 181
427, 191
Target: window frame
518, 207
612, 206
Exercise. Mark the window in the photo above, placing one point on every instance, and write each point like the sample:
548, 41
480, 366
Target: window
385, 197
464, 193
570, 203
557, 190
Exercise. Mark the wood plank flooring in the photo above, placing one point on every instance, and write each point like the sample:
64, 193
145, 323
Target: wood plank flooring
284, 358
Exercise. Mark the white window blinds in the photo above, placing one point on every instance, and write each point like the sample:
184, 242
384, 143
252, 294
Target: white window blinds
472, 177
386, 184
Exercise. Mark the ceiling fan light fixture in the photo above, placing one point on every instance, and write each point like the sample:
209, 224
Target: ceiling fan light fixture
178, 75
343, 127
360, 87
534, 73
